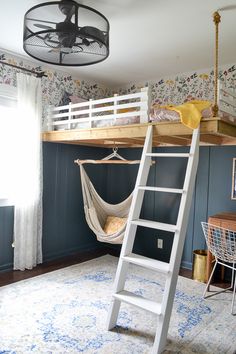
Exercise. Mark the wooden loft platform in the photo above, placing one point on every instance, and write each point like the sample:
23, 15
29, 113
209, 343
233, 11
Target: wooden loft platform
214, 131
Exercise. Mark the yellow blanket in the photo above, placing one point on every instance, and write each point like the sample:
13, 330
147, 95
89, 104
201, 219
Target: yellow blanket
190, 112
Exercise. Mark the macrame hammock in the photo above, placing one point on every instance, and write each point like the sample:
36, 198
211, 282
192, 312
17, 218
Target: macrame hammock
97, 211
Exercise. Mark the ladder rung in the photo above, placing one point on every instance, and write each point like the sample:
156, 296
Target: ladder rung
149, 263
160, 189
174, 154
139, 301
154, 225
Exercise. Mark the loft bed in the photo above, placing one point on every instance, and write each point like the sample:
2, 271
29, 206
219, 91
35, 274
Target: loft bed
122, 121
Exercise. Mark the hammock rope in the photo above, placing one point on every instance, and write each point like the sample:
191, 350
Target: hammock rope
97, 210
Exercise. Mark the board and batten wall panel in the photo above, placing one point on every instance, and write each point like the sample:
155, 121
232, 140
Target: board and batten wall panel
6, 237
220, 179
64, 227
65, 230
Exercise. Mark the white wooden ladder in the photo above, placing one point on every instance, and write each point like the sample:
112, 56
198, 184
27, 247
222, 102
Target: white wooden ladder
164, 307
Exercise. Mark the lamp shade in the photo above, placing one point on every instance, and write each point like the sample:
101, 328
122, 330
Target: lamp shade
66, 33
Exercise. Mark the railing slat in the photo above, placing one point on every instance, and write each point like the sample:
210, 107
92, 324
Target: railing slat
94, 119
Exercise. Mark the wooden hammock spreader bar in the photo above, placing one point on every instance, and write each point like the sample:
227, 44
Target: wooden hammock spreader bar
113, 158
108, 162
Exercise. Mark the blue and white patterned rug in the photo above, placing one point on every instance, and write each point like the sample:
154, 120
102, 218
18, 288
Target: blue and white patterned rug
65, 311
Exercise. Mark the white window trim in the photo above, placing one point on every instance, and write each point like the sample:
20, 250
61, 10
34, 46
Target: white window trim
7, 91
6, 202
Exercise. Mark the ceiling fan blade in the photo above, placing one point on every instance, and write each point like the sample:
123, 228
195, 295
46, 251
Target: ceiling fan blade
227, 8
37, 20
86, 43
83, 41
81, 49
55, 44
42, 26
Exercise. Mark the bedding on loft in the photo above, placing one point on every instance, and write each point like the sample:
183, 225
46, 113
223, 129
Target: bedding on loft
190, 113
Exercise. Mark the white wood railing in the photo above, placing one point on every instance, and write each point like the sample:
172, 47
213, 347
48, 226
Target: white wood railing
107, 111
227, 100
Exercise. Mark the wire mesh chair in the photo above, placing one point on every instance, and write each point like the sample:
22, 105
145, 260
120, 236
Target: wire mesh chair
222, 244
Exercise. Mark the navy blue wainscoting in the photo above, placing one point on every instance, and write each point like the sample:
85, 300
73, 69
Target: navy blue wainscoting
6, 237
65, 230
64, 227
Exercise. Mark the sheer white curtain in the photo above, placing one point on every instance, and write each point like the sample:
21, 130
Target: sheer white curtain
28, 174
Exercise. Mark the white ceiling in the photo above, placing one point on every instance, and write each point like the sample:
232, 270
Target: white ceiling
148, 38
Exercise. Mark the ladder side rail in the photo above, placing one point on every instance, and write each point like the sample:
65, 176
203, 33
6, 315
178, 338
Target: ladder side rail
130, 231
138, 195
178, 244
186, 198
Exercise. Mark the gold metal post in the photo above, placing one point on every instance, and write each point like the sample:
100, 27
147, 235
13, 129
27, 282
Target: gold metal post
216, 19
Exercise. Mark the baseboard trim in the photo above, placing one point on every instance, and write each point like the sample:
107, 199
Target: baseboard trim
6, 267
56, 255
187, 265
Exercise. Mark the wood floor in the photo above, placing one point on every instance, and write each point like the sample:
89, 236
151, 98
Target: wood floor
9, 277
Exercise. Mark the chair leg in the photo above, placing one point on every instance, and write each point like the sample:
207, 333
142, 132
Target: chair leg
234, 288
207, 288
232, 276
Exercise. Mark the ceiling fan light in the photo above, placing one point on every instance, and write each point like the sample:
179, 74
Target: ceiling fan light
79, 33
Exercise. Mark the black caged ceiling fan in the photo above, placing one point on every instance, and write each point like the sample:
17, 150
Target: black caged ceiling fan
66, 33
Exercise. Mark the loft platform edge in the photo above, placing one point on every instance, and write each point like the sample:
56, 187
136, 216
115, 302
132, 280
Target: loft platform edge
213, 131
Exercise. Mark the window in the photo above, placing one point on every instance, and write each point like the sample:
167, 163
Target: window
8, 148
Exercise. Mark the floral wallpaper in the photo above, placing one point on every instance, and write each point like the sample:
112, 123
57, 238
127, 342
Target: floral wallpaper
54, 85
186, 86
169, 90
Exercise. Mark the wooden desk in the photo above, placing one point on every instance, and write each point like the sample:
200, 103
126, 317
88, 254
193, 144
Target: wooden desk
226, 220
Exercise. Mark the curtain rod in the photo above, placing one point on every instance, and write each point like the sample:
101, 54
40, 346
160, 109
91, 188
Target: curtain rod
38, 74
